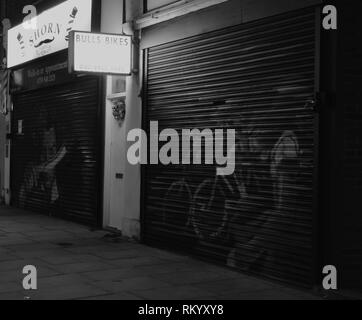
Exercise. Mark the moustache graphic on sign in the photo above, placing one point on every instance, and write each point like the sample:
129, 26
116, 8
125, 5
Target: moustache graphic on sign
44, 42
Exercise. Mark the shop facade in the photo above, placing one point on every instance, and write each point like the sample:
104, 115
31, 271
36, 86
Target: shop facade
289, 87
264, 68
55, 118
63, 145
226, 65
259, 77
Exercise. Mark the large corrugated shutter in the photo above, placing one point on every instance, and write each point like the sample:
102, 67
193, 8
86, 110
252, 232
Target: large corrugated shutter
256, 78
55, 150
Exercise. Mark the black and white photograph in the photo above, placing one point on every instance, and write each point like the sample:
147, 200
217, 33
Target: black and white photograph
180, 153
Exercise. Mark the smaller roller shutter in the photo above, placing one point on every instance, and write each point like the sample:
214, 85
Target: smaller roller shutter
56, 150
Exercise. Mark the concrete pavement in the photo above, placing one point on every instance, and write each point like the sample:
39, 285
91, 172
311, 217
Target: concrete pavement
74, 262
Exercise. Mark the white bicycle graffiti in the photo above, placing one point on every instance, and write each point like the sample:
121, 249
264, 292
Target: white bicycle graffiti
207, 215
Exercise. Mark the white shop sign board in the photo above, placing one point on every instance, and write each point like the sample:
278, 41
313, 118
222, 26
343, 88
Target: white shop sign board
51, 32
100, 53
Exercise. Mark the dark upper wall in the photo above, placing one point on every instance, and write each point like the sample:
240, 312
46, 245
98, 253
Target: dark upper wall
2, 3
349, 142
258, 9
2, 16
14, 8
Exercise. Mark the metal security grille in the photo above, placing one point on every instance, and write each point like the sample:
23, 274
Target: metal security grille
56, 151
258, 79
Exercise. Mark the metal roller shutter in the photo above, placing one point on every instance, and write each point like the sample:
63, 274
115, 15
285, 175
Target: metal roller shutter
256, 78
56, 150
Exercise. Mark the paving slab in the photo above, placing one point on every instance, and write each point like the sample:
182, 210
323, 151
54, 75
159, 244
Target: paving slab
75, 262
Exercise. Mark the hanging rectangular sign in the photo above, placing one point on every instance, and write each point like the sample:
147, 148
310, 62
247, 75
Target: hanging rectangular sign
51, 32
100, 53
